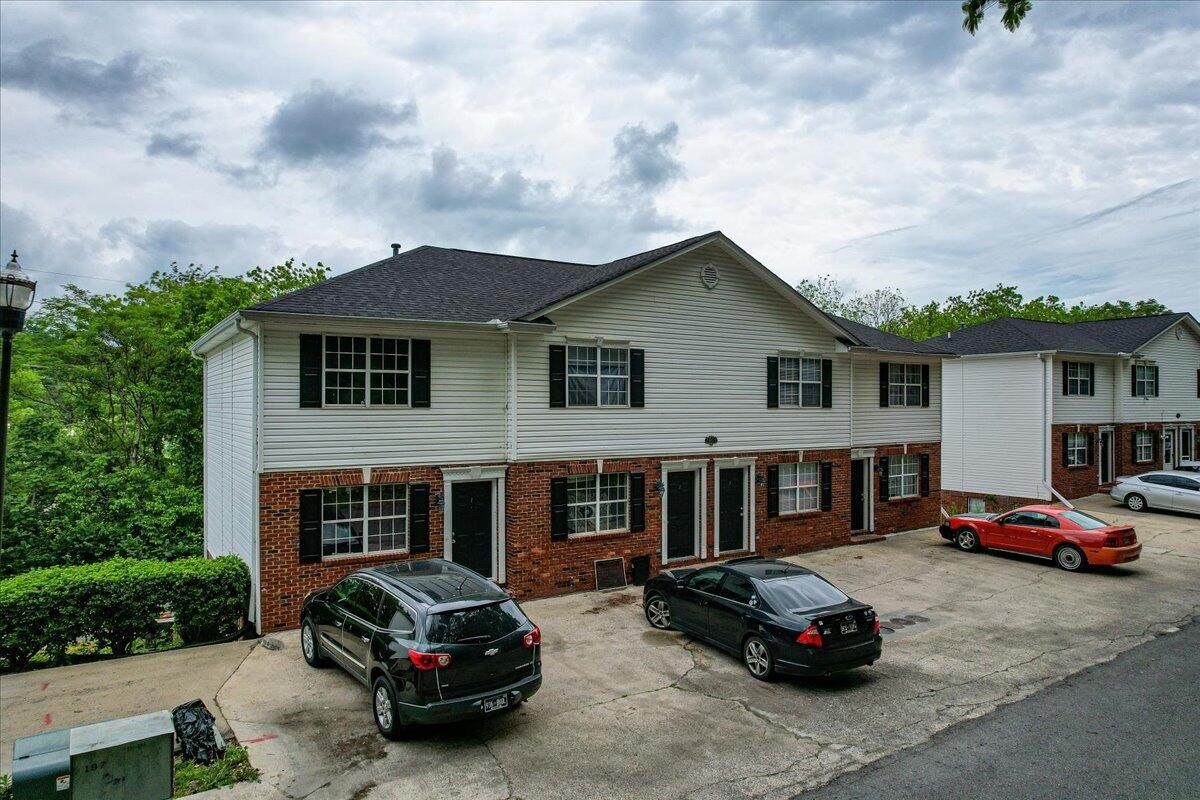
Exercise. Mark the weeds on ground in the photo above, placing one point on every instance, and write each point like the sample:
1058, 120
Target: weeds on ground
233, 768
6, 790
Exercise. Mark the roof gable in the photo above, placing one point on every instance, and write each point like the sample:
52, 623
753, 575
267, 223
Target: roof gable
1102, 337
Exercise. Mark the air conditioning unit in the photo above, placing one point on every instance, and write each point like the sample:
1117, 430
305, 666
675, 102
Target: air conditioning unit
121, 759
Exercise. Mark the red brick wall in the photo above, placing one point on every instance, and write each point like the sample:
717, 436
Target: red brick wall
908, 513
1075, 482
1124, 458
956, 502
539, 567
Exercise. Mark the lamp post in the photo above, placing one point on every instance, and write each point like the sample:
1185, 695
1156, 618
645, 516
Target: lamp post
16, 296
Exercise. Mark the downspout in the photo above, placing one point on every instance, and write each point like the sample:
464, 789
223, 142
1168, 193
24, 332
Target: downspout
852, 398
255, 459
510, 410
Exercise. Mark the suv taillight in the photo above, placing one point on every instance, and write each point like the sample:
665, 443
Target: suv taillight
810, 637
534, 637
428, 660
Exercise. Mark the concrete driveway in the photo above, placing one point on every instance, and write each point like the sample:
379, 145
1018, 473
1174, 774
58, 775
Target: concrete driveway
628, 711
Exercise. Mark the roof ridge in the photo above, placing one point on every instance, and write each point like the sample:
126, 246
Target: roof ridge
509, 255
333, 278
696, 238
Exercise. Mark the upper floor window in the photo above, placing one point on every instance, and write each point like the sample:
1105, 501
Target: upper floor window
800, 382
903, 476
1145, 380
799, 487
358, 519
597, 376
598, 503
1077, 449
1078, 378
362, 370
904, 385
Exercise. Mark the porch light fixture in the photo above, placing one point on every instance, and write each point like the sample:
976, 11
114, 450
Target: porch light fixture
660, 487
710, 440
438, 499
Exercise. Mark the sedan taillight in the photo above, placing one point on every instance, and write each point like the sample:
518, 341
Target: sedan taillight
810, 637
428, 661
533, 638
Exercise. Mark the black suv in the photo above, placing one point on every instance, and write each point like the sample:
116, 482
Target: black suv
780, 617
435, 641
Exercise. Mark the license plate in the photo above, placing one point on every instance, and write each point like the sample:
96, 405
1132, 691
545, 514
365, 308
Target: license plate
495, 703
849, 627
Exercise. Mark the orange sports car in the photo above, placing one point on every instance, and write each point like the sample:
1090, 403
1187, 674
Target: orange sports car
1072, 539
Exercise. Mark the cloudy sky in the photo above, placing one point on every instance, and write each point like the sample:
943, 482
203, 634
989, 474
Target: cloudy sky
876, 142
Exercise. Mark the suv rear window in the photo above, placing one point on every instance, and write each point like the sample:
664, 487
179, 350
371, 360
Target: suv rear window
478, 624
802, 592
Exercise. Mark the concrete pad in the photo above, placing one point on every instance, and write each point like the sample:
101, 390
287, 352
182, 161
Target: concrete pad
63, 697
628, 711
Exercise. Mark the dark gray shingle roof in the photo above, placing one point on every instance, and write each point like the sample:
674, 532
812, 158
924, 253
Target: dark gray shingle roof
448, 285
1014, 335
882, 340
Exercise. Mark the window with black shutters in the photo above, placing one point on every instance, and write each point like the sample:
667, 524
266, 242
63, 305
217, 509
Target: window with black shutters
364, 519
1145, 380
1079, 377
366, 371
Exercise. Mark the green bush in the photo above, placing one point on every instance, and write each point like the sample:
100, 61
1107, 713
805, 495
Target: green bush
115, 603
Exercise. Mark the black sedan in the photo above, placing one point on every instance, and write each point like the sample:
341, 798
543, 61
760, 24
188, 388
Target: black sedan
434, 641
781, 618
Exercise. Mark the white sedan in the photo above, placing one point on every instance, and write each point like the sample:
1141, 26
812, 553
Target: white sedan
1175, 490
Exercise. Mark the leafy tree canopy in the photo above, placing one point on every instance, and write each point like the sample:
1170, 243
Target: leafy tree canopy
1013, 12
105, 445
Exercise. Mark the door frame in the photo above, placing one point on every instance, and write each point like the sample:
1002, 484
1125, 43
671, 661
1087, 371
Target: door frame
1173, 432
495, 474
1111, 464
867, 456
748, 519
698, 465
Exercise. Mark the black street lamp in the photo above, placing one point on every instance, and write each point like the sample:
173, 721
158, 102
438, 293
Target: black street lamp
16, 296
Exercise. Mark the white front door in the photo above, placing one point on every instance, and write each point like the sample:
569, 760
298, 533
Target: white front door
1168, 448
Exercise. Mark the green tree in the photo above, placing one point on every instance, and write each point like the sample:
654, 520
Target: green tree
877, 308
1014, 13
106, 447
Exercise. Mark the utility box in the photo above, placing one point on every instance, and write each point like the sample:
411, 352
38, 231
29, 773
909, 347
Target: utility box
121, 759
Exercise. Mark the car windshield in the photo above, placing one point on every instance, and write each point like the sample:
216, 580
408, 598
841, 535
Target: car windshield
799, 593
1085, 521
477, 624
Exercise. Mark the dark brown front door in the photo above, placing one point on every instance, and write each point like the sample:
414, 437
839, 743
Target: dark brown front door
471, 526
681, 514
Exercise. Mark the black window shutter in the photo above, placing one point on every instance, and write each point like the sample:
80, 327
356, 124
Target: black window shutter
826, 485
1066, 459
558, 376
637, 502
1133, 380
924, 459
637, 378
1091, 380
883, 478
1155, 380
310, 525
925, 385
558, 508
420, 373
1065, 380
1133, 444
418, 518
1091, 443
310, 370
883, 384
772, 382
772, 490
1155, 444
1198, 383
826, 383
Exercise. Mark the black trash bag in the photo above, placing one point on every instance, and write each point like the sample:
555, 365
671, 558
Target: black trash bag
198, 738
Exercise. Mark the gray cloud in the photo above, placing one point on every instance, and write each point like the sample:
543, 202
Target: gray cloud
645, 159
104, 91
185, 146
323, 124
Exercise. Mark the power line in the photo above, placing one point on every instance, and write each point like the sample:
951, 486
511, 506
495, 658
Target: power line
73, 275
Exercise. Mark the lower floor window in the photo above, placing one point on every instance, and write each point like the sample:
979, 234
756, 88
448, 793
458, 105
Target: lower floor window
347, 512
1077, 449
902, 476
798, 487
1144, 446
598, 503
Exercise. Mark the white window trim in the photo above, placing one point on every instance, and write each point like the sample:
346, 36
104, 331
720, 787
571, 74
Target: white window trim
1149, 444
701, 515
366, 403
1147, 383
599, 348
906, 383
1075, 447
748, 535
800, 511
496, 474
800, 382
596, 505
1082, 382
365, 520
893, 461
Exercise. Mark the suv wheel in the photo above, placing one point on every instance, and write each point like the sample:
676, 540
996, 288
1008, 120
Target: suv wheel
1070, 558
758, 659
658, 612
385, 709
310, 645
1135, 502
967, 540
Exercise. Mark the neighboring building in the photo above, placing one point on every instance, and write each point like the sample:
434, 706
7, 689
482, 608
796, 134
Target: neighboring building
527, 417
1032, 405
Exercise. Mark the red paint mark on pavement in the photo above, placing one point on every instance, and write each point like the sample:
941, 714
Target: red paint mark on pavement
46, 720
266, 737
45, 686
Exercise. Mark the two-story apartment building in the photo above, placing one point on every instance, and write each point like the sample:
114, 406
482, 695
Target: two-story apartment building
528, 417
1031, 405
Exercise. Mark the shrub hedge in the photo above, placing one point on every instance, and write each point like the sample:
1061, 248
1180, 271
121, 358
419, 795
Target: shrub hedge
114, 603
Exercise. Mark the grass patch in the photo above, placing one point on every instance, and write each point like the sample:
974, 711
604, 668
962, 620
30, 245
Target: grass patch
233, 768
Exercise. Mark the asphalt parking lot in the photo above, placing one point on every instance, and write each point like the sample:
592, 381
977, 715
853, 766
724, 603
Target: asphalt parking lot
629, 711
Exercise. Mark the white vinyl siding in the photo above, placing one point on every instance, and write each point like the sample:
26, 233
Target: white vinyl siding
1177, 359
229, 472
1095, 409
465, 423
705, 371
993, 426
874, 425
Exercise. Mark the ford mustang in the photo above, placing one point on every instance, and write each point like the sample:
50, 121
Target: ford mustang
1071, 538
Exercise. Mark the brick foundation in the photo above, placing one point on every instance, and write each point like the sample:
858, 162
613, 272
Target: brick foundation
535, 565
